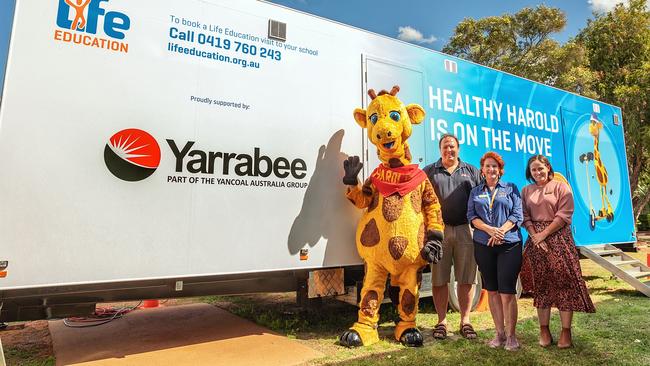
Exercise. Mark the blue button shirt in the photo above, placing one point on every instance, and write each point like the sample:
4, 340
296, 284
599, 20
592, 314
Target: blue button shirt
506, 205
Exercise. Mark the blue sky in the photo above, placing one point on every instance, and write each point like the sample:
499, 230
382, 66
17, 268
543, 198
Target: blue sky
431, 23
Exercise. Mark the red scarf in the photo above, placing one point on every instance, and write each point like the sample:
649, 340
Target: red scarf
401, 180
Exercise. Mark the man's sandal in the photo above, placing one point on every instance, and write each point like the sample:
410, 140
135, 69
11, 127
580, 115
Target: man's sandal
440, 331
467, 331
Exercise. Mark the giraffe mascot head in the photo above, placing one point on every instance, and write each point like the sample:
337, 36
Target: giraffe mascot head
390, 124
401, 229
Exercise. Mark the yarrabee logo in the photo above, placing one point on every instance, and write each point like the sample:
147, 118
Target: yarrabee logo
132, 155
82, 19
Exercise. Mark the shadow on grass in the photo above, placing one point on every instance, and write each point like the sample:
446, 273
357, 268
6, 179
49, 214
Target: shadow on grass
611, 336
591, 278
615, 335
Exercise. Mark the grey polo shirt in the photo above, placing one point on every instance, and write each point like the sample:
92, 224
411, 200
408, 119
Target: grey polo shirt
453, 189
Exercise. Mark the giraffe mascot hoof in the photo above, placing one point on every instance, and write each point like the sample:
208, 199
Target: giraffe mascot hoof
401, 228
412, 338
350, 338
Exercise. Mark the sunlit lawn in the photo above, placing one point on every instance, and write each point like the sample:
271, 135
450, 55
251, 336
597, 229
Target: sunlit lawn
618, 334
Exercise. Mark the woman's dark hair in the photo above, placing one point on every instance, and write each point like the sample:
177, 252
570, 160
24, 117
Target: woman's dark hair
542, 159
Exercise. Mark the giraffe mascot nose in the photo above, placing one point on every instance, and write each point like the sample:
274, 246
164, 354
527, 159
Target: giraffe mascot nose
400, 230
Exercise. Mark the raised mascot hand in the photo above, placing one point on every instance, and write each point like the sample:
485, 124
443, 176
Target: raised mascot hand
352, 167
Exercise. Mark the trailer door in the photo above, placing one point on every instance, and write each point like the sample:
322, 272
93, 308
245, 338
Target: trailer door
382, 74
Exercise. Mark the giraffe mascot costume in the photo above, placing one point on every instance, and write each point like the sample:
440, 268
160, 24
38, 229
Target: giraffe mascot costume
401, 229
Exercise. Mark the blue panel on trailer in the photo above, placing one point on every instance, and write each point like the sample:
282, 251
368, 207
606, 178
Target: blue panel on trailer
518, 118
6, 21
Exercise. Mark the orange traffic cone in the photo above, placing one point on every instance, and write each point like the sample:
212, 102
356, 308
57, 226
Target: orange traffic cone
148, 304
483, 304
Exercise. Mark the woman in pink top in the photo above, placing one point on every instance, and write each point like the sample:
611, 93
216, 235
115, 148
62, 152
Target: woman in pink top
550, 268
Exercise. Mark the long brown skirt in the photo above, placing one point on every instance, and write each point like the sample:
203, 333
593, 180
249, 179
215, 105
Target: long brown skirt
554, 277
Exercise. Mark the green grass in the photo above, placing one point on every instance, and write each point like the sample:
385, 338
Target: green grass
26, 357
617, 334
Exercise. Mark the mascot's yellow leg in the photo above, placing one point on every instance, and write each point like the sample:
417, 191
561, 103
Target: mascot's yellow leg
408, 299
372, 294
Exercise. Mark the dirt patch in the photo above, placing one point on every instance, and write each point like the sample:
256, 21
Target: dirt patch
29, 341
31, 338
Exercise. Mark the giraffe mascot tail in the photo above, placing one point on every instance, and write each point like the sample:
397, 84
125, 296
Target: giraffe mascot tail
401, 229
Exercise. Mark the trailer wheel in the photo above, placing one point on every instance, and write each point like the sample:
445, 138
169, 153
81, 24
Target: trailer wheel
453, 298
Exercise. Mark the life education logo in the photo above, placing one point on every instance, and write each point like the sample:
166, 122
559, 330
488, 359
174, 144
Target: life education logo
79, 22
132, 155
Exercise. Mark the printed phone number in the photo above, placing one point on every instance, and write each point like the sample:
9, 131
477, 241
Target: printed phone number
224, 44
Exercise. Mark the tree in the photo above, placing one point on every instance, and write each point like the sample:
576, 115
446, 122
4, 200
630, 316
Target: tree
609, 60
520, 44
618, 50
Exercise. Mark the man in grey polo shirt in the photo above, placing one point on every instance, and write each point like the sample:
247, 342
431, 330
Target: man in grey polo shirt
453, 180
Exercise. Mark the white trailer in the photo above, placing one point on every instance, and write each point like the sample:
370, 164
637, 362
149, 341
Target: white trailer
157, 149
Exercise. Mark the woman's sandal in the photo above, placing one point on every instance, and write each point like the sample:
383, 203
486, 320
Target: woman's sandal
565, 346
545, 329
467, 331
440, 331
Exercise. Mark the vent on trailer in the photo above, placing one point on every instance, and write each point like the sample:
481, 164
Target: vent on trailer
451, 66
277, 30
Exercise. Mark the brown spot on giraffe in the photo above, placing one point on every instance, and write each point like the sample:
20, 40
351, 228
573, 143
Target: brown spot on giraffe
366, 188
392, 207
369, 303
429, 195
408, 302
407, 153
374, 202
397, 246
370, 234
416, 201
600, 174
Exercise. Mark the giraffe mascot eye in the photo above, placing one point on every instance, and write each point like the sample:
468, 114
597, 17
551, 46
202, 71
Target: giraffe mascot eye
395, 116
374, 118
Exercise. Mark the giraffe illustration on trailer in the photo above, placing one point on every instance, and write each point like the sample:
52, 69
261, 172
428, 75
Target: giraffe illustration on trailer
401, 228
601, 172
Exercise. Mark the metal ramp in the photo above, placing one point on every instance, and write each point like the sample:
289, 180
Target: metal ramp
623, 266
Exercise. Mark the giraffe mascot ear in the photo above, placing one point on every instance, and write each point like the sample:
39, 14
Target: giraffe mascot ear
360, 117
416, 115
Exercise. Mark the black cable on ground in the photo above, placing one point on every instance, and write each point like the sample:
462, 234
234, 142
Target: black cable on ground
100, 317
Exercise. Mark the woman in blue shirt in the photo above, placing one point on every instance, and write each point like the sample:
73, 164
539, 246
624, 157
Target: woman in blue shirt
494, 210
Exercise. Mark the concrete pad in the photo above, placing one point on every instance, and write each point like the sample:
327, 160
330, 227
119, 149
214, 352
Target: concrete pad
196, 334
